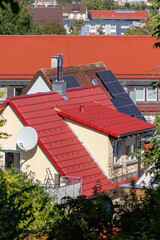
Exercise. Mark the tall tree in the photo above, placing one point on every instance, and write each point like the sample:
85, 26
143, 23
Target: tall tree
156, 21
51, 28
93, 4
17, 24
74, 29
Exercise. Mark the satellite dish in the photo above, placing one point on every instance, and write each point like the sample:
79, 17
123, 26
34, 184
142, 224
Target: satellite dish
27, 138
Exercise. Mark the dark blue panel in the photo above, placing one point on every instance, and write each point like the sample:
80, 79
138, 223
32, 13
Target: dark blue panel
118, 93
110, 82
70, 79
123, 98
121, 108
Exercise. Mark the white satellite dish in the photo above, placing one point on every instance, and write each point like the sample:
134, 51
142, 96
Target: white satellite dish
27, 138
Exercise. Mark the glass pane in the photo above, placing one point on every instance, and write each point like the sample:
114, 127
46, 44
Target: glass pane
139, 94
151, 94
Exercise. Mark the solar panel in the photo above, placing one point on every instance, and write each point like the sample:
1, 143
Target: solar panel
118, 93
70, 79
120, 107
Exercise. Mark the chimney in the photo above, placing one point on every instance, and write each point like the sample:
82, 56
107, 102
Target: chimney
53, 62
81, 108
60, 85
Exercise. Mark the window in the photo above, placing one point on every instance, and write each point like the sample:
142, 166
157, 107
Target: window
129, 149
146, 94
95, 82
9, 159
3, 93
18, 91
124, 26
151, 94
140, 94
113, 26
116, 152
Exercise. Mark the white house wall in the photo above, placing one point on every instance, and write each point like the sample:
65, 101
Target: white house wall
39, 86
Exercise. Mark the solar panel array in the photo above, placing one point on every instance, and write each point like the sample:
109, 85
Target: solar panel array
118, 93
70, 79
120, 107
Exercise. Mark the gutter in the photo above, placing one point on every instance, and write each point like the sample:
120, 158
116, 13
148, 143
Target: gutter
136, 132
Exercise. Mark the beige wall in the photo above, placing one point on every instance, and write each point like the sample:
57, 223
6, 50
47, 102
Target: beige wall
34, 160
99, 145
82, 16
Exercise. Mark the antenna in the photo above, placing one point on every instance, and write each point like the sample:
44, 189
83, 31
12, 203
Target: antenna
27, 138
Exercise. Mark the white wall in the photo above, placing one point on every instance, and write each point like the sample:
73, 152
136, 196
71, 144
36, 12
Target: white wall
39, 86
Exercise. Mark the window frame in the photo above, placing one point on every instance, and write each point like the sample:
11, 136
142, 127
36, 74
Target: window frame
117, 153
9, 150
142, 99
155, 94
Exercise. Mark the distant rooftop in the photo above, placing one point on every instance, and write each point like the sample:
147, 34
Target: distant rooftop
118, 14
121, 54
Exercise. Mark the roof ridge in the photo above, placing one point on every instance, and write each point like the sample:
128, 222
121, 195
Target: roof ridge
79, 88
74, 66
32, 95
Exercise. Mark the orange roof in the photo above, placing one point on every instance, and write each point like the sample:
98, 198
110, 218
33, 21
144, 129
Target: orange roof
111, 14
120, 54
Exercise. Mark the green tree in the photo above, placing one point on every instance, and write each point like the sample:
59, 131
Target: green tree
84, 218
93, 4
100, 30
156, 21
138, 219
13, 4
144, 28
51, 28
25, 208
74, 29
20, 23
110, 5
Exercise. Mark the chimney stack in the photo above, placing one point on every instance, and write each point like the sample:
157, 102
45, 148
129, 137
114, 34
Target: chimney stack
60, 85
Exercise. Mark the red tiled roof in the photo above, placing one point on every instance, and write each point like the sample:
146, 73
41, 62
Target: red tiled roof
111, 14
105, 119
149, 107
120, 54
56, 138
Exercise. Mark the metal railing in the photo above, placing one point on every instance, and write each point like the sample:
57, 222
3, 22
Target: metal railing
67, 187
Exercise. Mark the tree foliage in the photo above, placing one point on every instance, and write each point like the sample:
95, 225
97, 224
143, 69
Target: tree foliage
75, 27
156, 21
13, 4
138, 219
112, 5
84, 218
25, 208
51, 28
20, 23
100, 30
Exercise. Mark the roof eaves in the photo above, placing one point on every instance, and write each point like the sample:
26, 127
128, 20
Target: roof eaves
136, 132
